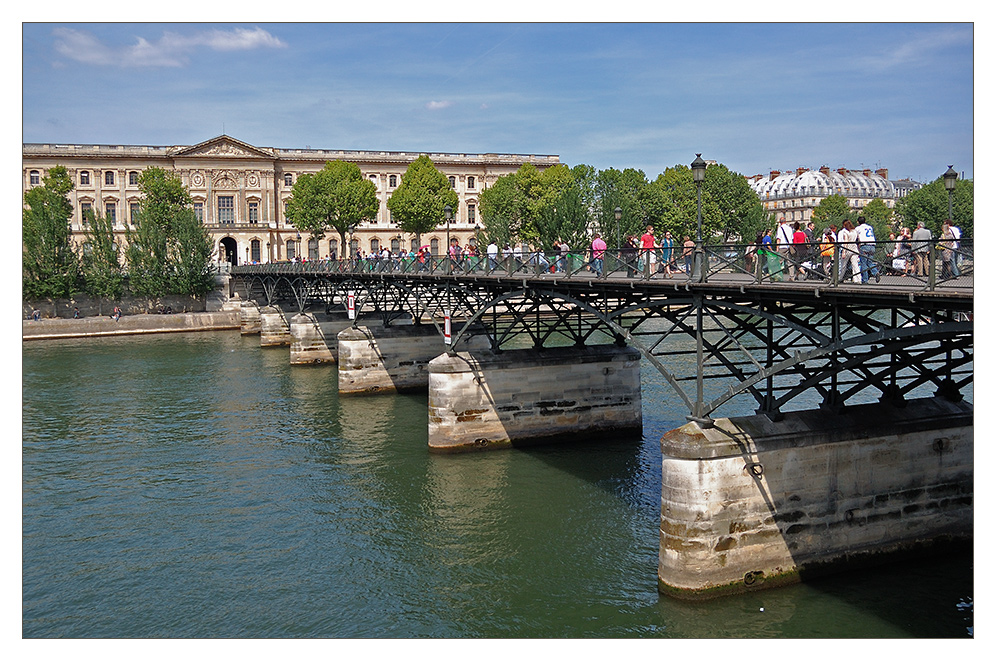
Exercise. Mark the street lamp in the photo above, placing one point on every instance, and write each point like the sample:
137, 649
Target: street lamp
950, 177
448, 214
698, 175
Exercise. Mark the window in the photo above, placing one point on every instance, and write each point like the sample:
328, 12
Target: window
292, 249
375, 245
288, 179
254, 212
226, 209
199, 211
333, 249
254, 250
109, 178
396, 244
313, 249
354, 247
111, 211
133, 178
414, 246
470, 182
133, 212
453, 181
86, 211
393, 181
470, 213
434, 246
34, 178
84, 178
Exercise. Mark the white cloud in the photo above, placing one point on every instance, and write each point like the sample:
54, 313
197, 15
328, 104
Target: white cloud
437, 105
170, 50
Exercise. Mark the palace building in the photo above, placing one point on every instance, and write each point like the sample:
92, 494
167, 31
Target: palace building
795, 194
240, 191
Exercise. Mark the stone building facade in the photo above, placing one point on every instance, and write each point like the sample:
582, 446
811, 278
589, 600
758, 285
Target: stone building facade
795, 194
240, 191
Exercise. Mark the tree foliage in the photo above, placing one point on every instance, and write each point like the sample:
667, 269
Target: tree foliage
417, 205
49, 264
525, 205
930, 204
832, 210
100, 261
338, 197
169, 251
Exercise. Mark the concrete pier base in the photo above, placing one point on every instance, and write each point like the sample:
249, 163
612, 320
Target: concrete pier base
315, 337
481, 400
249, 318
378, 359
275, 327
753, 503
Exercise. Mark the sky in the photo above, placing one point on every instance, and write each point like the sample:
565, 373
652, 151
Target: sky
755, 96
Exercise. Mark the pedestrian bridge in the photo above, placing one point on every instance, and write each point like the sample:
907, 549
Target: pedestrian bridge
861, 444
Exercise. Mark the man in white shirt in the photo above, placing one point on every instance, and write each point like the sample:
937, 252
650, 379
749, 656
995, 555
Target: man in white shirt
492, 251
867, 250
783, 240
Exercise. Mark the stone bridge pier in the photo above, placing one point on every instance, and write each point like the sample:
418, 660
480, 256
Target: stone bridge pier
753, 503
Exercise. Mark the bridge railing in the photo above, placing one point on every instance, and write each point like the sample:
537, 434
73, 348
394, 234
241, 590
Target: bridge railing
925, 265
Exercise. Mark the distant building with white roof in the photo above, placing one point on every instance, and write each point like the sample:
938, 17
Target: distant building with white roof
795, 194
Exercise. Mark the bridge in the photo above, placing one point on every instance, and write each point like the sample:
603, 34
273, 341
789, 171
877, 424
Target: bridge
845, 379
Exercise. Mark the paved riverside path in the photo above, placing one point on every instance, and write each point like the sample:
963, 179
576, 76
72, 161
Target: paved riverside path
51, 328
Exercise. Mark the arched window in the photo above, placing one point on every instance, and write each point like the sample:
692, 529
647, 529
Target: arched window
254, 250
288, 179
34, 178
414, 246
292, 249
375, 245
453, 181
133, 178
84, 178
109, 178
393, 181
354, 247
396, 244
313, 249
434, 246
333, 249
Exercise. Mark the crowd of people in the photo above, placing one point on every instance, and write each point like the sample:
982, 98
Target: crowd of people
793, 251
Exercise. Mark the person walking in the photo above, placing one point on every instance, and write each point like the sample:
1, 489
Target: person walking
799, 251
668, 249
849, 252
783, 242
866, 238
688, 252
827, 251
948, 241
598, 252
921, 245
647, 246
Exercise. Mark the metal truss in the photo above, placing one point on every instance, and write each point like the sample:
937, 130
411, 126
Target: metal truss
712, 344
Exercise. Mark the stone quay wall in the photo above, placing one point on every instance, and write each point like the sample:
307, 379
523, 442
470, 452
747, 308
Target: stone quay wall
754, 503
46, 329
481, 400
129, 305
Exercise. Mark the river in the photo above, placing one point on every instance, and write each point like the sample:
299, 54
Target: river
198, 486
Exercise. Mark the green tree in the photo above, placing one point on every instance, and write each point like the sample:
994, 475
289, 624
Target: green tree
500, 210
338, 197
417, 205
629, 191
169, 251
930, 205
740, 212
566, 219
103, 276
520, 205
832, 210
50, 267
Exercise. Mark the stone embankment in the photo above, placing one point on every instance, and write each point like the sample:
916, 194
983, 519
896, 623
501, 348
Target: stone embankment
50, 328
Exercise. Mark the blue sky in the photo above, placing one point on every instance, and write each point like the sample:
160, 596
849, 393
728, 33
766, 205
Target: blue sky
754, 96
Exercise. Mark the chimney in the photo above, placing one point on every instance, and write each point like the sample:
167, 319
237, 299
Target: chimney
842, 171
884, 173
800, 171
824, 170
867, 172
773, 174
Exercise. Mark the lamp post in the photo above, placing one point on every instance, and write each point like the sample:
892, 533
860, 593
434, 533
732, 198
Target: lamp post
698, 175
448, 214
297, 247
950, 178
618, 213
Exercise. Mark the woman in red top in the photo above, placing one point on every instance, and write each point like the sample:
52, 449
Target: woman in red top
799, 250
